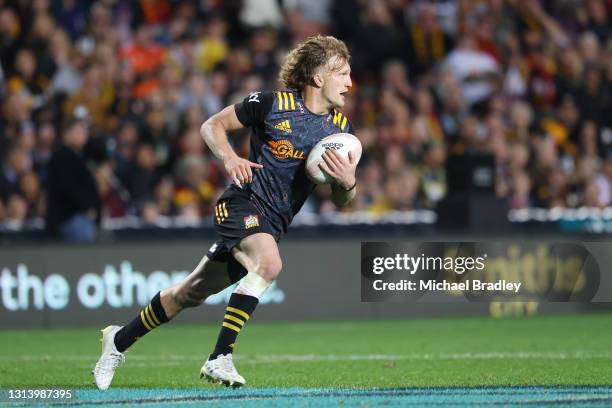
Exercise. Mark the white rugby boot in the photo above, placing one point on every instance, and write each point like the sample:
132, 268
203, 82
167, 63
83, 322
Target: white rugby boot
109, 360
222, 371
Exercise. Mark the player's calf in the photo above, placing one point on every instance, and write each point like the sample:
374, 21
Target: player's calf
192, 292
208, 278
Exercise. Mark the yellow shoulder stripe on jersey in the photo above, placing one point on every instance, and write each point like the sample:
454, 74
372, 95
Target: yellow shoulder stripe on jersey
286, 101
340, 120
291, 101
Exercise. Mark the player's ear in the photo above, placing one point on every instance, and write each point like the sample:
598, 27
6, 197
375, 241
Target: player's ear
317, 79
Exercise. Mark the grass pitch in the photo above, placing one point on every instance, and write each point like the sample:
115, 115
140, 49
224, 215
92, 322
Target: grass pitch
397, 358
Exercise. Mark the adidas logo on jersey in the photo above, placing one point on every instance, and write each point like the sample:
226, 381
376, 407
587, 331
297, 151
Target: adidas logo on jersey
285, 126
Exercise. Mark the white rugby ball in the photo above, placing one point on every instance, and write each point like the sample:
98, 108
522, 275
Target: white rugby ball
342, 142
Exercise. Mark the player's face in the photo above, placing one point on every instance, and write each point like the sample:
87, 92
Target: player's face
337, 81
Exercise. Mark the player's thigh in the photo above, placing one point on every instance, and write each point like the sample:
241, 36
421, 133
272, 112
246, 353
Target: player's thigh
259, 253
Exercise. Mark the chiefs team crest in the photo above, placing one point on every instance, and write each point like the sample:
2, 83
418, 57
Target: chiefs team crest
251, 221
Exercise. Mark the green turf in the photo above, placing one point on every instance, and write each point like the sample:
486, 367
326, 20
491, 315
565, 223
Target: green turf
541, 350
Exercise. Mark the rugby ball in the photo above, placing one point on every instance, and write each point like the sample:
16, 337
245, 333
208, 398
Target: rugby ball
342, 142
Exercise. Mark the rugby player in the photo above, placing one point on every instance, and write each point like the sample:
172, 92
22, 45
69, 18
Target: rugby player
253, 214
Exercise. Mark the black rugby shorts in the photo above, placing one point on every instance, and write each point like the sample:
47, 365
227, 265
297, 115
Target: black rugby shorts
236, 216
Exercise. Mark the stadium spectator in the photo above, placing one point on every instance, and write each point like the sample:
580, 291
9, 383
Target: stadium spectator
11, 32
94, 98
379, 38
114, 199
426, 43
16, 214
16, 164
155, 130
71, 15
261, 13
73, 207
141, 176
475, 70
194, 189
432, 174
30, 189
395, 78
521, 186
164, 198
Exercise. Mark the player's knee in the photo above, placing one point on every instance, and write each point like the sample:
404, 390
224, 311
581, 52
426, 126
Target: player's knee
269, 269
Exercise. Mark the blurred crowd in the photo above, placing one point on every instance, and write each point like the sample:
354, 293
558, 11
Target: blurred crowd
101, 101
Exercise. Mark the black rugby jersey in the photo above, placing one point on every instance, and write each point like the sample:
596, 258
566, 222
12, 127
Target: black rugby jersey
283, 133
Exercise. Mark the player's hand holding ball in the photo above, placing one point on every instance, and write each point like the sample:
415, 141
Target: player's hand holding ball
341, 169
334, 160
239, 169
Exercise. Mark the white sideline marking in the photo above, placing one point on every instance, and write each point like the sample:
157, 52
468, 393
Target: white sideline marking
174, 359
425, 356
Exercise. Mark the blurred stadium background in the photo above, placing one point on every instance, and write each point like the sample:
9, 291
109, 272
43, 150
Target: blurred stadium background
480, 120
520, 91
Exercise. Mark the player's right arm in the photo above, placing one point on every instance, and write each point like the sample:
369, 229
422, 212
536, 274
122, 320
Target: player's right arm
214, 132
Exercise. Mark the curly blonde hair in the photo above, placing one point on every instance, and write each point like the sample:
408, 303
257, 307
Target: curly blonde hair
302, 62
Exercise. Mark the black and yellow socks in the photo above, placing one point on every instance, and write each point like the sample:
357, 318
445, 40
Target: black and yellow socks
149, 318
239, 309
